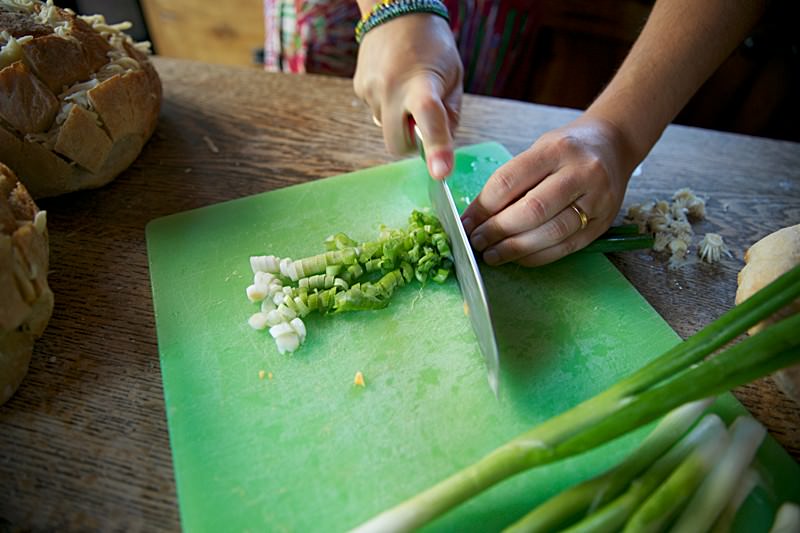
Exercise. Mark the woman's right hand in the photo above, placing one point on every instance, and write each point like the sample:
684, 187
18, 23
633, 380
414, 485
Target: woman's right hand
409, 66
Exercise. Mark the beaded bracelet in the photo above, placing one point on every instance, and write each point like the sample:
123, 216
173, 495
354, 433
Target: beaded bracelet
386, 10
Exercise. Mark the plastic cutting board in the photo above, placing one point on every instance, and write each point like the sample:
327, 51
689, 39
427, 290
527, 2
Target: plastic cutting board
303, 449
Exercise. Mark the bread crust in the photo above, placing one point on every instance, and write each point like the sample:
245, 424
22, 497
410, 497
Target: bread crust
82, 140
27, 298
58, 62
21, 24
25, 102
59, 133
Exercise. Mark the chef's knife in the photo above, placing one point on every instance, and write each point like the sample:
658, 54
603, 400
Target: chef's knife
467, 273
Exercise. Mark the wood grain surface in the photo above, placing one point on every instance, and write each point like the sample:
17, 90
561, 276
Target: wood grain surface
84, 444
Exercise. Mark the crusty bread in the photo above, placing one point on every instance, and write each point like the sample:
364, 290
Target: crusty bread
27, 299
765, 261
78, 99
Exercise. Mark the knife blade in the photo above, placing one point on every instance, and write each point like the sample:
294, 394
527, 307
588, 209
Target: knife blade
467, 272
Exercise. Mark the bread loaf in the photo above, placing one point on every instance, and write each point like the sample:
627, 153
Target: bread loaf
78, 98
765, 261
27, 299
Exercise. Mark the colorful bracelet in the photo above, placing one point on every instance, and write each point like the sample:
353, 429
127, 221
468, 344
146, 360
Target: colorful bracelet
386, 10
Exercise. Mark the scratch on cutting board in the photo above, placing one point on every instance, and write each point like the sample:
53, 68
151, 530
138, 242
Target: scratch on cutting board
416, 298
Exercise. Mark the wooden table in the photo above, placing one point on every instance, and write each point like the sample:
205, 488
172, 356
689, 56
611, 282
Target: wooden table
84, 444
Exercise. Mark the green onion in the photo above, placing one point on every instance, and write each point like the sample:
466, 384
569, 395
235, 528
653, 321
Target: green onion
787, 519
620, 239
718, 488
614, 515
682, 374
624, 229
743, 489
594, 493
667, 500
619, 243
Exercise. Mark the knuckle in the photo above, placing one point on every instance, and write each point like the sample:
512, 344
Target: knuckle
510, 248
428, 104
502, 181
598, 171
557, 230
534, 208
570, 246
565, 143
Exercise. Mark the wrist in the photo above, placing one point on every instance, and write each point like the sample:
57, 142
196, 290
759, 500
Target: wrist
375, 14
632, 141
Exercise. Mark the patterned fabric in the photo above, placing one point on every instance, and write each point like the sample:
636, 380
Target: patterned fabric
314, 36
494, 39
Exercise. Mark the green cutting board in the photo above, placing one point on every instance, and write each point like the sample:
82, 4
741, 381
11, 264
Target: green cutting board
307, 450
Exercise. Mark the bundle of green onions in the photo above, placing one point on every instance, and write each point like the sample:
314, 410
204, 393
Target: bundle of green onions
695, 481
688, 372
348, 276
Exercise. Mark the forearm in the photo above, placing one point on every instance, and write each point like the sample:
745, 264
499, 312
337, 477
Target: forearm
681, 45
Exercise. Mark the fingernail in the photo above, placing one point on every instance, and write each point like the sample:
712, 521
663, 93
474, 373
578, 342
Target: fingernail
440, 167
468, 224
478, 242
491, 257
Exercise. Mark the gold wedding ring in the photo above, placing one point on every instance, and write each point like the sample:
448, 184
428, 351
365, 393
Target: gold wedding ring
581, 215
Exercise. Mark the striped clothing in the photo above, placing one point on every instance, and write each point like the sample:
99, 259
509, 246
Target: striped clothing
316, 36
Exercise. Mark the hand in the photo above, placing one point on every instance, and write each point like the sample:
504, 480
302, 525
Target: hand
410, 66
524, 214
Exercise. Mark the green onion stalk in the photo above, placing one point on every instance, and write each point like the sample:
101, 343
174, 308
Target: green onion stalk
683, 374
710, 500
667, 500
749, 481
787, 519
707, 436
586, 497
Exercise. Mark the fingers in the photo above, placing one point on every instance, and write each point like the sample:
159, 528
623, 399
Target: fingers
396, 134
510, 182
575, 242
535, 208
562, 229
424, 103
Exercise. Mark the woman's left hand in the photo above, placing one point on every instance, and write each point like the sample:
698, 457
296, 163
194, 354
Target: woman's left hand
525, 212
